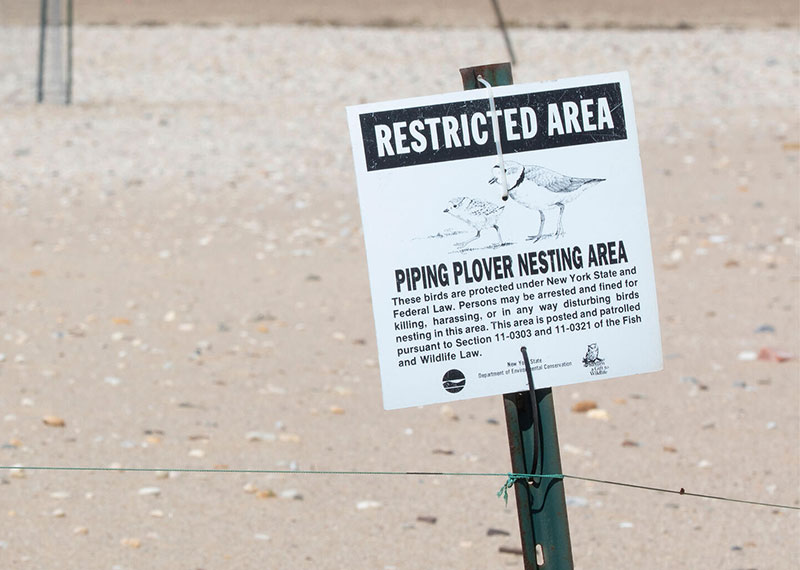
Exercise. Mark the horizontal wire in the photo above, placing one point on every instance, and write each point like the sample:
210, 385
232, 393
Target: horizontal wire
511, 478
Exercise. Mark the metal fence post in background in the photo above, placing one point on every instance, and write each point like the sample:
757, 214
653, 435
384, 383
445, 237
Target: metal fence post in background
68, 95
40, 70
54, 69
532, 437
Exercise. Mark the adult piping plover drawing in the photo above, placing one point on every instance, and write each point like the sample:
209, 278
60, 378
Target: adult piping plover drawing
476, 213
539, 188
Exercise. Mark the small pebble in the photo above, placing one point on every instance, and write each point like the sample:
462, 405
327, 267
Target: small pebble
131, 542
197, 453
577, 501
149, 491
363, 505
583, 406
448, 413
259, 436
82, 530
157, 513
53, 421
773, 355
575, 450
747, 355
291, 494
626, 525
598, 414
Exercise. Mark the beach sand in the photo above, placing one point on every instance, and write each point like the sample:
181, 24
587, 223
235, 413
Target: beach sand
185, 286
385, 13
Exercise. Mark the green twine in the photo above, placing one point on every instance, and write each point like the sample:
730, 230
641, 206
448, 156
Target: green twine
514, 477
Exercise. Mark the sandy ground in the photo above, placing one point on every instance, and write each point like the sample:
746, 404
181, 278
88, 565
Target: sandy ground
184, 285
470, 13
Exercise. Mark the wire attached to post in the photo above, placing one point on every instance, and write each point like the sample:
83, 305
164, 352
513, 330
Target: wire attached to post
496, 134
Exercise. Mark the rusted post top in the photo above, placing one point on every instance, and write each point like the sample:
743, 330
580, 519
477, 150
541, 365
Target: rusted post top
494, 73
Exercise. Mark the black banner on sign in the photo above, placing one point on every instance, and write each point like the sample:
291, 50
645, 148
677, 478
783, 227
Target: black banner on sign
455, 131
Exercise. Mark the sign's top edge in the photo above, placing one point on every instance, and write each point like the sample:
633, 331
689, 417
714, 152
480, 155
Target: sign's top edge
517, 88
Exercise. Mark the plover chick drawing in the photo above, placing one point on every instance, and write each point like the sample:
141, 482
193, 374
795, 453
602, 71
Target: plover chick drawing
539, 188
477, 213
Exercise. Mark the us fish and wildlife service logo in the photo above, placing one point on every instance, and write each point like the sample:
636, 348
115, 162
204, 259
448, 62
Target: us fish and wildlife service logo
454, 381
596, 365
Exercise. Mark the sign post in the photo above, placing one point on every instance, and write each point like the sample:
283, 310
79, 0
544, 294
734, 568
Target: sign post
532, 437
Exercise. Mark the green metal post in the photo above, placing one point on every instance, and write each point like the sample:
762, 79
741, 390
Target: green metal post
532, 437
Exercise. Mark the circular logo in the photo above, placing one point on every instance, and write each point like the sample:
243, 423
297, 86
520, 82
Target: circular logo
454, 381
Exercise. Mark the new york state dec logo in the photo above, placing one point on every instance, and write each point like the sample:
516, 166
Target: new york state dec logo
597, 366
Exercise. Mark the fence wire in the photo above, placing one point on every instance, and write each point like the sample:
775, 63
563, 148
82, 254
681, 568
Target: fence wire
511, 478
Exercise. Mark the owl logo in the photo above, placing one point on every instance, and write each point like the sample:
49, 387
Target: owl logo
592, 357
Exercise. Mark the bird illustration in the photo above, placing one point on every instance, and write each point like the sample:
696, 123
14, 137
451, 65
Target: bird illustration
592, 357
539, 188
476, 213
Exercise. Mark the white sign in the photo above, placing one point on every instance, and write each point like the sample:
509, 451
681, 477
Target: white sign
462, 279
